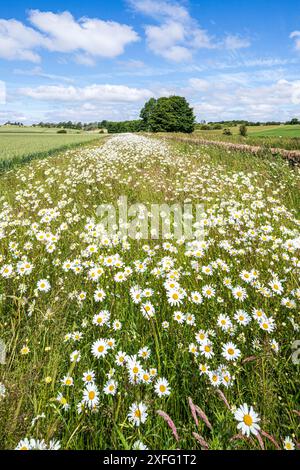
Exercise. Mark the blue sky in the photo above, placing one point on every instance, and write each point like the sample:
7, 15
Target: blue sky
95, 60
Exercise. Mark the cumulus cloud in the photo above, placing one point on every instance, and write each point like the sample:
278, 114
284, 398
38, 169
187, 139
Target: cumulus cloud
217, 98
98, 93
61, 32
17, 41
177, 35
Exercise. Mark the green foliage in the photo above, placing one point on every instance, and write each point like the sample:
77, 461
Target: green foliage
227, 131
243, 130
172, 114
62, 131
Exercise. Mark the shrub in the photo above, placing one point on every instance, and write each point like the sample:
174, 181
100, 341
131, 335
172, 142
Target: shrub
62, 131
227, 131
243, 130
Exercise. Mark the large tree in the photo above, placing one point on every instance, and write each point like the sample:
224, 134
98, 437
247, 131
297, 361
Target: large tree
172, 114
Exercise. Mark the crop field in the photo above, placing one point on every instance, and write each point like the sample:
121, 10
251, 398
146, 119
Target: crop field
114, 340
15, 146
285, 136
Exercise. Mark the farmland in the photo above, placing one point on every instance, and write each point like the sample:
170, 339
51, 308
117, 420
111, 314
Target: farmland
27, 143
285, 136
115, 341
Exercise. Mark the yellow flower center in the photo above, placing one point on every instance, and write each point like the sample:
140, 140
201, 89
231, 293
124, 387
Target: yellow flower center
248, 420
91, 395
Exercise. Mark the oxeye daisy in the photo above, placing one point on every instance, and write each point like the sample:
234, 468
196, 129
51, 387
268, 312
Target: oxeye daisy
203, 369
288, 444
110, 388
179, 317
24, 444
89, 376
242, 317
91, 396
43, 285
137, 413
162, 387
99, 295
201, 336
247, 419
208, 291
224, 322
230, 351
138, 445
146, 377
117, 325
239, 293
144, 353
206, 349
214, 378
267, 324
67, 381
120, 358
175, 297
99, 348
196, 297
147, 310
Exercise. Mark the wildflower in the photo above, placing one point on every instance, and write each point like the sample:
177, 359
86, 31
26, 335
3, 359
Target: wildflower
230, 351
89, 376
43, 285
91, 396
137, 413
25, 350
110, 388
99, 348
162, 387
247, 419
288, 444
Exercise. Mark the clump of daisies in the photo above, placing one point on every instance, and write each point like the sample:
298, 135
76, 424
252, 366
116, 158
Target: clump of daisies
37, 444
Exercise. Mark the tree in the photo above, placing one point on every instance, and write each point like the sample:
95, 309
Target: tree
172, 114
243, 130
146, 113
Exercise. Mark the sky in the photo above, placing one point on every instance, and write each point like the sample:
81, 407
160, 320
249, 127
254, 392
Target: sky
93, 60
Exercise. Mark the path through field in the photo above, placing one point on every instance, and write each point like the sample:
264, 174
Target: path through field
114, 341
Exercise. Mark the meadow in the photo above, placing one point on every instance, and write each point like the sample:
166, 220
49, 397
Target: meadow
114, 342
284, 136
23, 144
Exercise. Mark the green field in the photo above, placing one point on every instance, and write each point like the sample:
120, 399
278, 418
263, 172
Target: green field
130, 341
285, 137
27, 143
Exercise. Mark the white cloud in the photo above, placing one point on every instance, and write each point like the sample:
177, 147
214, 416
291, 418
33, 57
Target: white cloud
99, 93
232, 98
61, 32
17, 41
233, 42
91, 35
177, 34
296, 35
199, 84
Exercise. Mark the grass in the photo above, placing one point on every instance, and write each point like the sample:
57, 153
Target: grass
251, 205
20, 147
285, 137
